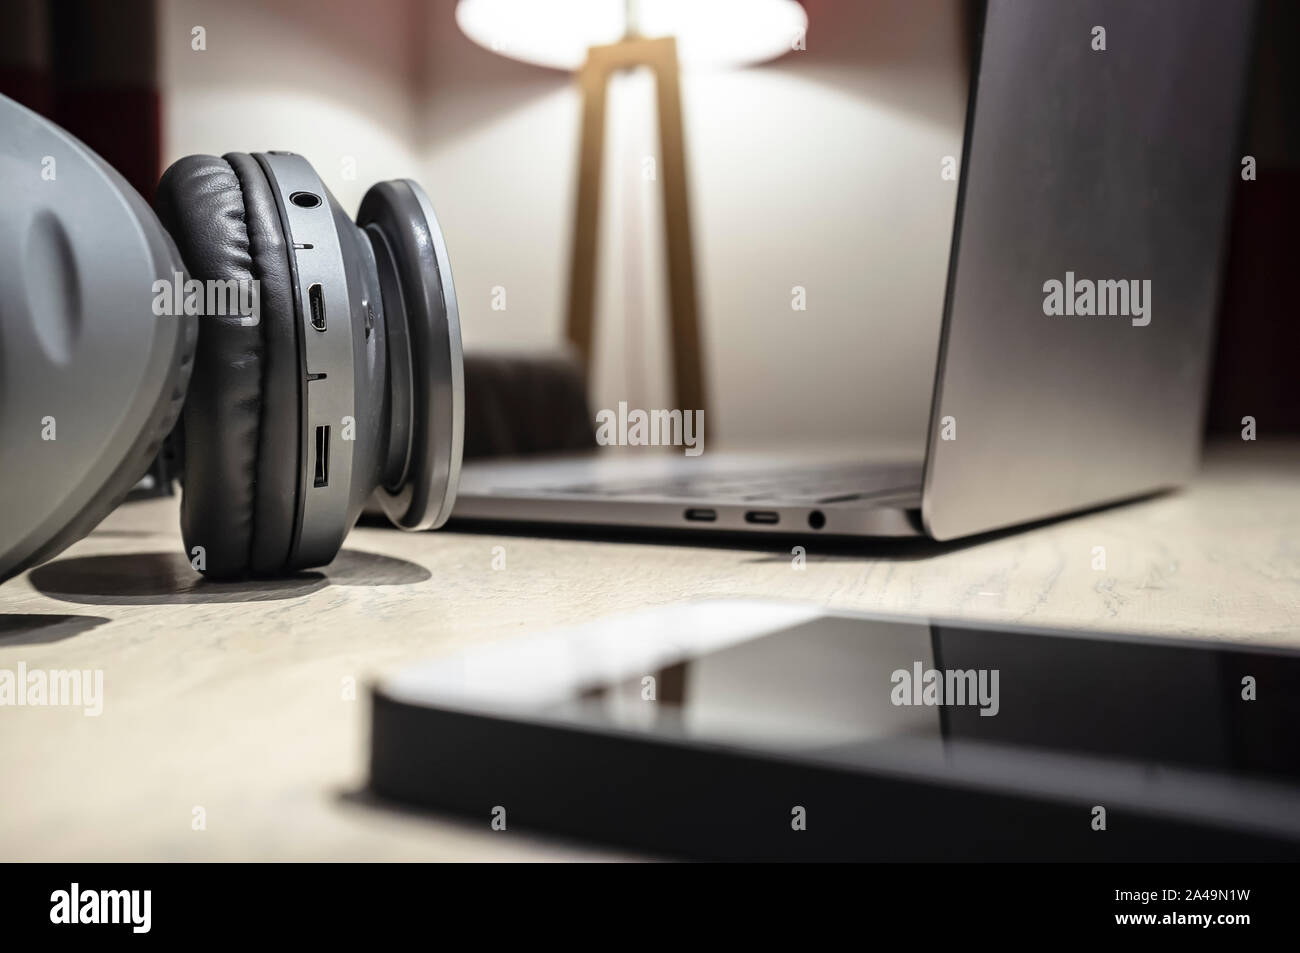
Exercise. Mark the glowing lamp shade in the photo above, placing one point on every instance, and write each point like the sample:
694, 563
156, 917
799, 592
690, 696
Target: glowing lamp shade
710, 33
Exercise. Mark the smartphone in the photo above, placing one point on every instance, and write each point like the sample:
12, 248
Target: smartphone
776, 731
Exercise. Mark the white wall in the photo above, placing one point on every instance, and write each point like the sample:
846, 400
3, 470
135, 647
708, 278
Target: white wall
330, 79
820, 170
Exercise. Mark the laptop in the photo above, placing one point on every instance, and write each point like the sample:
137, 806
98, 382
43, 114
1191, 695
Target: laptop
1083, 279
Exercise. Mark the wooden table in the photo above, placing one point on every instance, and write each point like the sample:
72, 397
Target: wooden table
234, 698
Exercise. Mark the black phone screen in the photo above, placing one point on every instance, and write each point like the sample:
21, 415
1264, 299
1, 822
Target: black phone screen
837, 684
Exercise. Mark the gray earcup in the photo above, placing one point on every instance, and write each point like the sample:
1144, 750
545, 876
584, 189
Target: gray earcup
92, 377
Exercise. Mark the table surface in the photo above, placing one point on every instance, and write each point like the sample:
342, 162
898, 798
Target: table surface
234, 698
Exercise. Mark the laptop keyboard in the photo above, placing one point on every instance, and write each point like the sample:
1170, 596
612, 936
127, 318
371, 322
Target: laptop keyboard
823, 484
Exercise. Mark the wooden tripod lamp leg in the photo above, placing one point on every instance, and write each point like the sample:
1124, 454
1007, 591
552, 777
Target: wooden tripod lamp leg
688, 358
687, 355
582, 263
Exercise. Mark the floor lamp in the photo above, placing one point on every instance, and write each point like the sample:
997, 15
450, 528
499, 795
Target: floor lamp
598, 38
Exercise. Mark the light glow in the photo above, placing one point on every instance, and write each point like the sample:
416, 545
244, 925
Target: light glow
710, 33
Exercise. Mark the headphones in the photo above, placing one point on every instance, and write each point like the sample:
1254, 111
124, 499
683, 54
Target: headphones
313, 362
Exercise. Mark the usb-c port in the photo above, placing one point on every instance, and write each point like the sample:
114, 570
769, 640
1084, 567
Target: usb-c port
767, 517
701, 515
316, 300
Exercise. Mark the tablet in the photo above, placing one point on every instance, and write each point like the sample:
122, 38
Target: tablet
757, 730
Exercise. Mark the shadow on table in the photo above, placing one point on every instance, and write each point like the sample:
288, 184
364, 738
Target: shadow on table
777, 548
38, 628
362, 798
766, 547
168, 579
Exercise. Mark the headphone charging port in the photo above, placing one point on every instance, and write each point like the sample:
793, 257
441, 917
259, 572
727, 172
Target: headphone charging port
316, 301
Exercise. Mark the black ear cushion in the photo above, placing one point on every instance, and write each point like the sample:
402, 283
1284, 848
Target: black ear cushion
241, 418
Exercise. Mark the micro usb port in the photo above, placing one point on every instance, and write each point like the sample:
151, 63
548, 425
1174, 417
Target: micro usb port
316, 300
